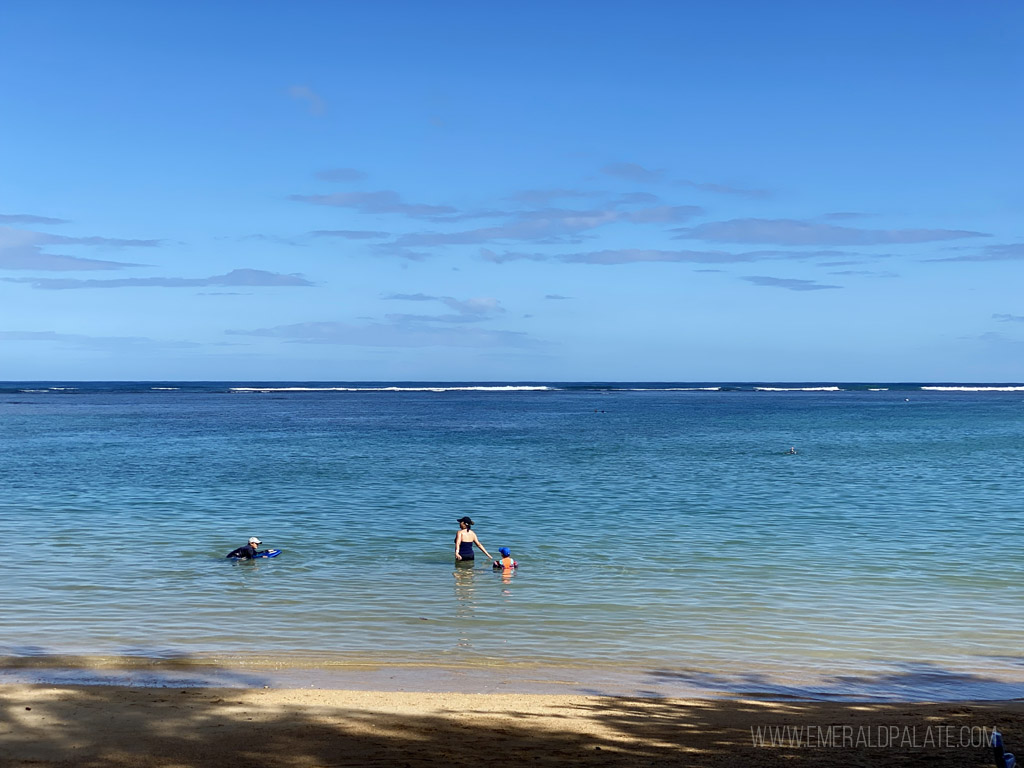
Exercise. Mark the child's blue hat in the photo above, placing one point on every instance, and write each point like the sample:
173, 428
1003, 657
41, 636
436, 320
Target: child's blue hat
505, 552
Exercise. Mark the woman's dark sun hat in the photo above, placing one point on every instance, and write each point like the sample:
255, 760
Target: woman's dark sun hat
466, 520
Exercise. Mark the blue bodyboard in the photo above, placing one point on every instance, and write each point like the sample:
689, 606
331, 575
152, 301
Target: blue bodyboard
262, 553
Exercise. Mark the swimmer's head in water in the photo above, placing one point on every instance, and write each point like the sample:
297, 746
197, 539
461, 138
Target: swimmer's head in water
466, 520
254, 540
505, 552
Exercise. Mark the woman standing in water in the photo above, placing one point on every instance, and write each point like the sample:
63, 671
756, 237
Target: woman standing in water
465, 539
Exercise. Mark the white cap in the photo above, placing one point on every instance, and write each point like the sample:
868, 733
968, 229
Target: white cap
254, 540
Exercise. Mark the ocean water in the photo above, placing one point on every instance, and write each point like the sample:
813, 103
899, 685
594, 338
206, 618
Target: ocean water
668, 542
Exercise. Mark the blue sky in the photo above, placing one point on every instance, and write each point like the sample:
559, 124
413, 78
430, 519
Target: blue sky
660, 191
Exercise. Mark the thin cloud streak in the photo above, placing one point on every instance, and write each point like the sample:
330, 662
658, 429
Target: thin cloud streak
789, 283
843, 216
637, 255
406, 318
383, 201
23, 249
633, 256
863, 273
235, 278
633, 172
725, 189
550, 225
314, 103
80, 341
545, 196
794, 232
9, 236
1008, 252
261, 238
341, 174
27, 218
31, 257
350, 234
469, 310
393, 335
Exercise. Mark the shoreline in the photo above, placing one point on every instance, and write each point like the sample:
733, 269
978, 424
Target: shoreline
54, 726
893, 682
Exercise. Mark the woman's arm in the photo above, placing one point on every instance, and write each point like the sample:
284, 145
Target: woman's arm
458, 540
476, 540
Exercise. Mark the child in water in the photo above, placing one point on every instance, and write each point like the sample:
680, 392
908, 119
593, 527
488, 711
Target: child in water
506, 563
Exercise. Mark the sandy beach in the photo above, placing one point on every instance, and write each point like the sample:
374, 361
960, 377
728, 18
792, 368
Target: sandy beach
46, 725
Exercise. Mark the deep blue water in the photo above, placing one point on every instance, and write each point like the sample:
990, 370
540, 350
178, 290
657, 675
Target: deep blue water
663, 530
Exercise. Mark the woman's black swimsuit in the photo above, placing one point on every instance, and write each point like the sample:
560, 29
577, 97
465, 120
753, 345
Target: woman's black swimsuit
466, 550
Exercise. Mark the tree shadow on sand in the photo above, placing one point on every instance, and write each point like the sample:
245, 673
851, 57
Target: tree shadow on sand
90, 726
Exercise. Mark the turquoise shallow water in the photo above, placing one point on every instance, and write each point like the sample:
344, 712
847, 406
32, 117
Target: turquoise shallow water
666, 538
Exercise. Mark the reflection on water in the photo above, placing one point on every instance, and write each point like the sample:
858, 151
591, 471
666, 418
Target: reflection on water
506, 578
465, 596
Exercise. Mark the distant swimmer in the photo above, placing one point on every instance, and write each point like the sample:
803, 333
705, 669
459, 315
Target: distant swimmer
248, 552
792, 450
464, 541
506, 563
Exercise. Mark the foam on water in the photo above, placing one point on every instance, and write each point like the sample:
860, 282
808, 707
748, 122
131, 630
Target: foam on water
973, 389
507, 388
797, 389
675, 389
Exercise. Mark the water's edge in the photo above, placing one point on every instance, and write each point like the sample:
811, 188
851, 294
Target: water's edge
998, 680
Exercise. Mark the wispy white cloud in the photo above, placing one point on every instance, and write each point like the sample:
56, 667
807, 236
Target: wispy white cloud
350, 234
789, 283
863, 273
557, 297
635, 198
1003, 318
384, 201
468, 310
395, 334
81, 341
532, 225
1006, 252
24, 249
409, 297
341, 174
391, 249
277, 240
27, 218
997, 340
551, 225
313, 102
843, 216
633, 172
410, 330
235, 278
639, 174
545, 196
486, 213
795, 232
725, 189
662, 214
637, 255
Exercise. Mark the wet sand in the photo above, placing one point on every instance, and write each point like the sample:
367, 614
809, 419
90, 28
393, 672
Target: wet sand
48, 725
